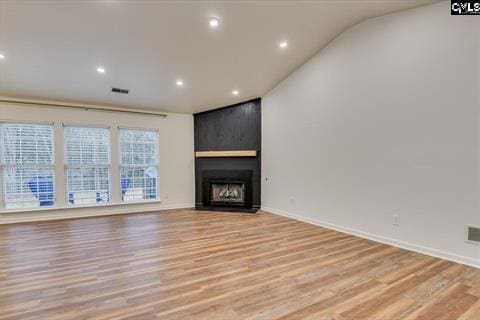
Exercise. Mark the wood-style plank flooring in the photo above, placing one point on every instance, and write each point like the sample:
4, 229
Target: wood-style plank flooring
186, 264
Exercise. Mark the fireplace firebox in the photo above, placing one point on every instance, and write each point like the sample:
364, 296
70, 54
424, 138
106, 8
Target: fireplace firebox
227, 190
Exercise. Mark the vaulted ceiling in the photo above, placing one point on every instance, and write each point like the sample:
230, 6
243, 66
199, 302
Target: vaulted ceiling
52, 49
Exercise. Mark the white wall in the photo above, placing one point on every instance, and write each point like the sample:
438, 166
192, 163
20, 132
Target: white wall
176, 176
385, 120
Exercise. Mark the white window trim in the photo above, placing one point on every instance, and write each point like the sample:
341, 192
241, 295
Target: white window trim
78, 207
51, 166
157, 164
60, 196
43, 123
74, 166
138, 128
83, 125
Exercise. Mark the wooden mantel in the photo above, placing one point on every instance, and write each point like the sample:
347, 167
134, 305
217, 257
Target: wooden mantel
232, 153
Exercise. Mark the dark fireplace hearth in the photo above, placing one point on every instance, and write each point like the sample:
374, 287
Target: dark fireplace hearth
227, 190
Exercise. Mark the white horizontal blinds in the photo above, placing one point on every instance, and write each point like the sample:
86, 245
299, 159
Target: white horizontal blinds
87, 145
138, 164
27, 163
87, 165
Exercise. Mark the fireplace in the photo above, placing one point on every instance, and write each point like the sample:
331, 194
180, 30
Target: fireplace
227, 193
226, 190
228, 157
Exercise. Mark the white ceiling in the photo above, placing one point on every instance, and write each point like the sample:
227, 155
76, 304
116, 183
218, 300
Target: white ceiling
52, 48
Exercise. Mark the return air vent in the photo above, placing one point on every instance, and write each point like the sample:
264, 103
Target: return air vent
118, 90
473, 234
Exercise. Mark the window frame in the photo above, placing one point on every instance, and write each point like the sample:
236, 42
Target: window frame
67, 166
58, 168
52, 167
156, 165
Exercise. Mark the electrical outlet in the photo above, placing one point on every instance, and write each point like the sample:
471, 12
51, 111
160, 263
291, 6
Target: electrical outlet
166, 196
396, 220
292, 200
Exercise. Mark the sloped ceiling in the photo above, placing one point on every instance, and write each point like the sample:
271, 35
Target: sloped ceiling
53, 48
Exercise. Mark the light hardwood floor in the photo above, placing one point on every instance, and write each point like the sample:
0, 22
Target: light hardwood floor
185, 264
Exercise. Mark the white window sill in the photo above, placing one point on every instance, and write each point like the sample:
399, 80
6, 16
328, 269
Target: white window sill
110, 204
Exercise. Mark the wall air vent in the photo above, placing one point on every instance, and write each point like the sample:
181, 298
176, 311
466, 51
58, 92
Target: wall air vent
473, 235
118, 90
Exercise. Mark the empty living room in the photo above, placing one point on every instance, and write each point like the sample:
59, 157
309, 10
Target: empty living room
240, 160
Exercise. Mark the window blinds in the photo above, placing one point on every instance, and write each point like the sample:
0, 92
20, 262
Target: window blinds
27, 160
87, 164
138, 164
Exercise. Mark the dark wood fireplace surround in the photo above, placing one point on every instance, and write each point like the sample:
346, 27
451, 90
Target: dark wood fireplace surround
234, 128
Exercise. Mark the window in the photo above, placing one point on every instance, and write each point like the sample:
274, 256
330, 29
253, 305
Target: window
87, 165
27, 164
138, 164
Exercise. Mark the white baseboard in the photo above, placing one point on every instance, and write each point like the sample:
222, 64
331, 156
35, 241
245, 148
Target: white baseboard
390, 241
98, 211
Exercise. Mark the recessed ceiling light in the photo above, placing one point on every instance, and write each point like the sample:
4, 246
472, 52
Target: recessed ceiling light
235, 92
283, 44
214, 22
179, 83
2, 56
100, 69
